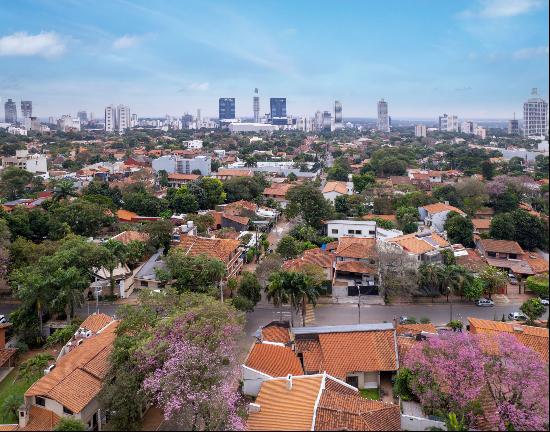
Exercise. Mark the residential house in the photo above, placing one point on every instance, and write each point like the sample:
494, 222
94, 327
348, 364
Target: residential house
316, 257
484, 213
335, 189
71, 387
505, 254
435, 215
278, 191
229, 173
535, 338
318, 402
358, 228
146, 276
175, 180
481, 226
419, 248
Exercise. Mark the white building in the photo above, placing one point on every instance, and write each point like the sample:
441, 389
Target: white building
36, 163
358, 228
435, 215
110, 118
334, 189
480, 132
338, 123
117, 118
420, 131
535, 116
175, 164
252, 127
31, 124
467, 127
67, 123
448, 123
193, 144
14, 130
383, 124
123, 117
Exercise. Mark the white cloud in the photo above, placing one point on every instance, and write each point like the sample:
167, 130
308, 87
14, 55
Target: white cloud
126, 41
502, 8
199, 86
45, 44
529, 53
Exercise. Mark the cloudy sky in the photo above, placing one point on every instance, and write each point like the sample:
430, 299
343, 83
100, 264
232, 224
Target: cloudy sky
477, 58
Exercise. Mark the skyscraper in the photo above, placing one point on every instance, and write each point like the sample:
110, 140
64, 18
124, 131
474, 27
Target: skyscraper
226, 108
420, 131
26, 108
535, 116
256, 106
327, 120
337, 115
110, 118
277, 110
123, 118
10, 111
83, 116
383, 119
448, 123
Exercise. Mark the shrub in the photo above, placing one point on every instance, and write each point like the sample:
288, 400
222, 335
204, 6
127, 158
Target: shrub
455, 325
401, 386
242, 304
61, 336
70, 424
538, 284
425, 320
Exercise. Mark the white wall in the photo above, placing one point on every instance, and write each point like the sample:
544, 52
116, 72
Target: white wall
166, 163
367, 228
411, 423
252, 380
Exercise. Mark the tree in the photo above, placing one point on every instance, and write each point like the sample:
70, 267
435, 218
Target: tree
308, 202
529, 230
115, 254
162, 176
407, 218
340, 170
144, 203
538, 284
502, 227
459, 229
362, 181
513, 377
10, 406
160, 234
473, 193
244, 188
493, 279
474, 290
32, 369
213, 192
533, 309
448, 193
83, 217
70, 424
270, 264
487, 170
13, 182
181, 200
249, 287
289, 247
63, 189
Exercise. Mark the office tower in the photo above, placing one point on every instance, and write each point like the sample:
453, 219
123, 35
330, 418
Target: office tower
123, 118
256, 106
535, 116
83, 116
134, 120
443, 123
448, 123
10, 111
513, 126
467, 127
277, 111
198, 116
327, 120
26, 108
110, 118
480, 132
337, 115
420, 131
226, 110
383, 120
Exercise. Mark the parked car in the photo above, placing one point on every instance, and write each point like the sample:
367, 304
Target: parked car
544, 301
516, 316
3, 319
403, 319
483, 302
513, 279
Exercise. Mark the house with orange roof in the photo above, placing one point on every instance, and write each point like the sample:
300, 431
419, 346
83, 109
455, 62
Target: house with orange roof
335, 189
229, 173
417, 248
315, 257
175, 180
278, 191
71, 386
435, 215
481, 225
318, 402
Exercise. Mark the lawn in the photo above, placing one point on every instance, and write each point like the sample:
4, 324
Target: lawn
371, 393
7, 388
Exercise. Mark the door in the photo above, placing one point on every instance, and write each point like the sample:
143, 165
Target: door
353, 380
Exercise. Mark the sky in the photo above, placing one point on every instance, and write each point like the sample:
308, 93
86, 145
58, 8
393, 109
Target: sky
475, 59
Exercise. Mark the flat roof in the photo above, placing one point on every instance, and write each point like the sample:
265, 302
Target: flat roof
351, 222
343, 328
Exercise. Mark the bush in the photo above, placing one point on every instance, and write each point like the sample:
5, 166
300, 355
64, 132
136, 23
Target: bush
425, 320
401, 386
455, 325
410, 320
61, 336
11, 404
242, 304
70, 424
21, 347
538, 284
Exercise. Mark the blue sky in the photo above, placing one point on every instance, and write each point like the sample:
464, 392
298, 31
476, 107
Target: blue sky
476, 59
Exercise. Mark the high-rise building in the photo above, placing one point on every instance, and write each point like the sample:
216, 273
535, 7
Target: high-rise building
277, 110
26, 108
467, 127
327, 120
10, 111
256, 106
338, 124
123, 118
226, 110
535, 116
448, 123
420, 131
513, 126
110, 118
383, 124
480, 132
83, 116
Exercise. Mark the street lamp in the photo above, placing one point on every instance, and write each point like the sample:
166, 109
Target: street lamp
359, 300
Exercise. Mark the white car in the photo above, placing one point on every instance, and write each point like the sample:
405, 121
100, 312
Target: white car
544, 301
516, 316
3, 319
483, 302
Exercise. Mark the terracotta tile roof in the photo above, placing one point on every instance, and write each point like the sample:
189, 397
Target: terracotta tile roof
128, 236
356, 247
368, 351
336, 186
481, 223
404, 344
388, 217
355, 267
472, 261
400, 180
125, 215
41, 419
274, 360
415, 328
239, 219
413, 244
502, 246
285, 407
338, 411
96, 322
316, 257
516, 266
188, 177
6, 354
241, 204
278, 189
77, 377
535, 338
488, 211
222, 172
215, 248
311, 354
536, 263
9, 427
275, 333
441, 207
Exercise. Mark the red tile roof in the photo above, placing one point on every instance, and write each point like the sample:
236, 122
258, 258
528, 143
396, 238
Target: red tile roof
441, 207
274, 360
275, 333
96, 322
215, 248
501, 246
41, 419
356, 247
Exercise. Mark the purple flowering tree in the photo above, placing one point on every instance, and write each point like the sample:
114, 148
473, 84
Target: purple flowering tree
191, 369
455, 372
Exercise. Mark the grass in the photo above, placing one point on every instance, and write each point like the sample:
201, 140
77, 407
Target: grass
7, 388
370, 393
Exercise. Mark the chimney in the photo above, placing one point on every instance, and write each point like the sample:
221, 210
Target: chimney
254, 408
23, 416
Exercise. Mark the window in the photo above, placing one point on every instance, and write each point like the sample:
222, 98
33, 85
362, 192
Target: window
353, 381
358, 232
492, 254
512, 256
144, 283
372, 232
351, 231
40, 401
67, 411
334, 231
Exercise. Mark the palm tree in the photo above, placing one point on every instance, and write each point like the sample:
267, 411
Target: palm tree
302, 290
69, 285
454, 279
115, 253
276, 291
34, 292
431, 278
63, 189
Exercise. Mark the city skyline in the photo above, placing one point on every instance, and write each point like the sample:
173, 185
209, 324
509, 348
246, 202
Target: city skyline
478, 59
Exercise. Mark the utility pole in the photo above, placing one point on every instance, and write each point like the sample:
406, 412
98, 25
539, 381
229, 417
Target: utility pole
359, 302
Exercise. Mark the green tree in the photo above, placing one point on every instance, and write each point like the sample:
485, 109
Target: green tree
13, 182
340, 170
487, 170
115, 254
160, 234
538, 284
63, 189
10, 406
289, 247
448, 193
533, 309
308, 202
162, 176
181, 200
214, 193
244, 188
83, 217
474, 290
407, 217
249, 287
529, 230
362, 181
32, 369
493, 279
70, 424
459, 229
502, 227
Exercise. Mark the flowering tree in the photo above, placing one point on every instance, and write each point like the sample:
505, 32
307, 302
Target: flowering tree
190, 368
454, 372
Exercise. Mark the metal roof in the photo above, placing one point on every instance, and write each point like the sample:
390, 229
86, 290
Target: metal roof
342, 328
